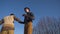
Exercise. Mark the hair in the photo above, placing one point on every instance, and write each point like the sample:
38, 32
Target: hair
27, 8
11, 14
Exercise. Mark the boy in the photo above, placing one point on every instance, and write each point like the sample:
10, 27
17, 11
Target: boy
8, 24
28, 17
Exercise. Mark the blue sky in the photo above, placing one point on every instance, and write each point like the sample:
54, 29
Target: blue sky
40, 8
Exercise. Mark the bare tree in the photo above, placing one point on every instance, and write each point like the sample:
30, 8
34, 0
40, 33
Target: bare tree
47, 25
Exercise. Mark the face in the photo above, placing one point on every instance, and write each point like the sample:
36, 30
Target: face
27, 10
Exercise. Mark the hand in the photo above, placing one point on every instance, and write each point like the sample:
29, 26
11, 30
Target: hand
24, 15
0, 22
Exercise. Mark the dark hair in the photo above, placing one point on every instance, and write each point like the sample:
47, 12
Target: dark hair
11, 14
27, 8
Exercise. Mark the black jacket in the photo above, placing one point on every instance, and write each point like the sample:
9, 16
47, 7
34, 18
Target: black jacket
28, 17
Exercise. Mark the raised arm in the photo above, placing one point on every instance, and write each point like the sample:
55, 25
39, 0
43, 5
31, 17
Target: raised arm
17, 19
29, 15
32, 16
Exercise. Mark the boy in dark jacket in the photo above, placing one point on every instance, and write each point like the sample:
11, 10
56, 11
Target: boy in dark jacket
28, 17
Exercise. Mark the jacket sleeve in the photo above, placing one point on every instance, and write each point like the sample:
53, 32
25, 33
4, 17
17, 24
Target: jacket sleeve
31, 16
18, 20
